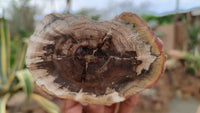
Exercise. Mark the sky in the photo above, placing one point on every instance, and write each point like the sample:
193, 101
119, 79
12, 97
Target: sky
156, 6
112, 7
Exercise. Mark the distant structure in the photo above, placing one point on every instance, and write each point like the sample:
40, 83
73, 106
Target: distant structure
180, 26
176, 34
193, 15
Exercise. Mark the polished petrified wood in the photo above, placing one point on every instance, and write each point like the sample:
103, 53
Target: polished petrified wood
99, 62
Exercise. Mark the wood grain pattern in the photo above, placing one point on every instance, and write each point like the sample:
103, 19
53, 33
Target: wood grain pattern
99, 62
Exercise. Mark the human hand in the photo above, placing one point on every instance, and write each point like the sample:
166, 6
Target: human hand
198, 109
124, 107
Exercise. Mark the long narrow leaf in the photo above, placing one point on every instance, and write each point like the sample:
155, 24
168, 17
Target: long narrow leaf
26, 81
19, 64
3, 101
7, 34
21, 59
3, 56
7, 46
3, 49
11, 84
2, 89
46, 104
17, 56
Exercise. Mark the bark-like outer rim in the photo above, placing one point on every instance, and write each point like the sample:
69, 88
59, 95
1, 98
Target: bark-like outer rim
132, 88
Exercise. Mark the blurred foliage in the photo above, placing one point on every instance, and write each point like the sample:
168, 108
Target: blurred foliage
46, 104
12, 80
95, 17
193, 57
192, 63
194, 37
16, 45
90, 13
22, 18
160, 20
21, 26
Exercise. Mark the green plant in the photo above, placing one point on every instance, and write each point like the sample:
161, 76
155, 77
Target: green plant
194, 42
90, 13
16, 79
161, 20
192, 63
22, 17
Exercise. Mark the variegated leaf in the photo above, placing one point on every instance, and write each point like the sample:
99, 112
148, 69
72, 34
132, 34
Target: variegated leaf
3, 101
46, 104
26, 81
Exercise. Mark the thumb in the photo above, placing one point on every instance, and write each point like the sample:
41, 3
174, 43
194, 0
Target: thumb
198, 109
71, 106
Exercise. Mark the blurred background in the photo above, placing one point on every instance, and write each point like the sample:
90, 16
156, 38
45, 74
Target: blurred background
175, 22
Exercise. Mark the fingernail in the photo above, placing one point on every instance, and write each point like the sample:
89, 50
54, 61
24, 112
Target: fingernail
84, 103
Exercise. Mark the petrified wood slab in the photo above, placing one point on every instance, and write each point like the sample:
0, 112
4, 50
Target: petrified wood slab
99, 62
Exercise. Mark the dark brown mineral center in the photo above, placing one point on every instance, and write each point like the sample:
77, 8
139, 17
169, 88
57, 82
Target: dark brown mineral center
99, 62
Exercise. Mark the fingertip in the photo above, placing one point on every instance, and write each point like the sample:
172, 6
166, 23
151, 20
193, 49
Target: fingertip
75, 109
71, 106
129, 104
112, 108
91, 108
133, 98
84, 103
69, 103
198, 109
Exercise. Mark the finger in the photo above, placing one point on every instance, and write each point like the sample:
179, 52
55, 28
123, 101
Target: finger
128, 105
110, 109
198, 110
94, 109
75, 109
71, 106
69, 103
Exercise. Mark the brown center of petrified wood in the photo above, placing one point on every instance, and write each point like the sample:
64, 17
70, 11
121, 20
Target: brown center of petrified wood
90, 68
